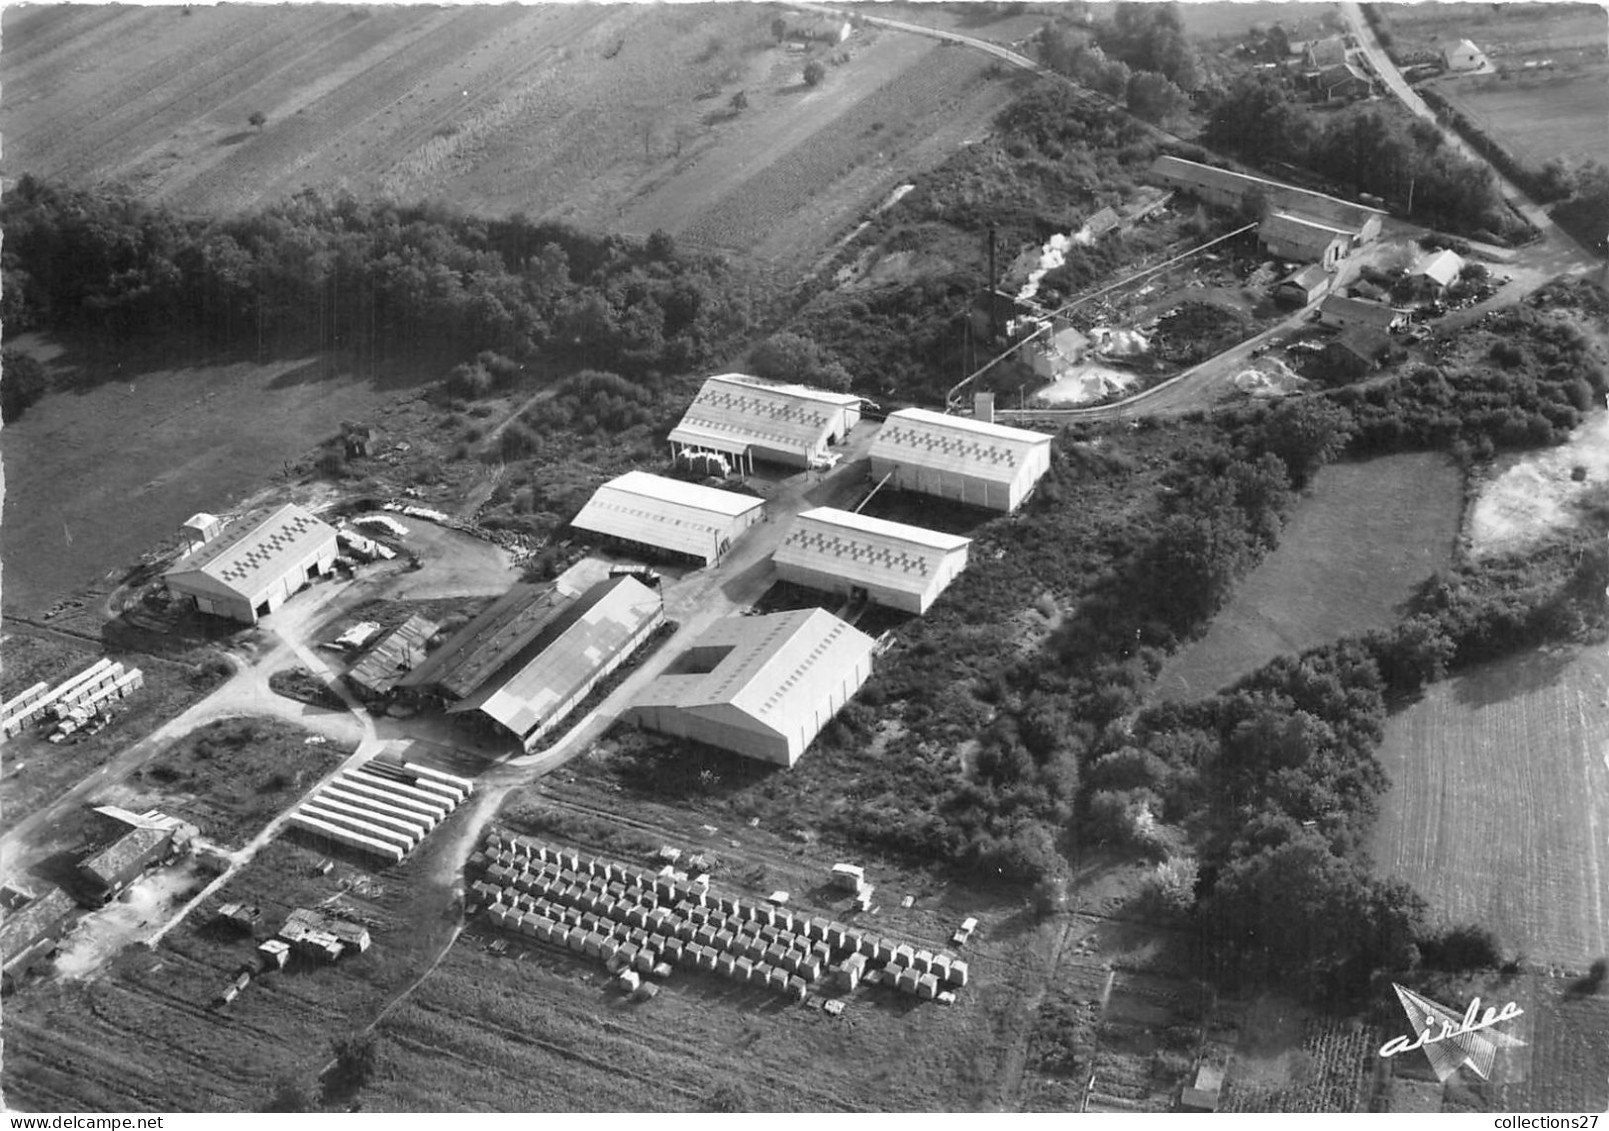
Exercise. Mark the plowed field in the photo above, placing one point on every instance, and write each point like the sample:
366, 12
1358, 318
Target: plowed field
1499, 807
609, 116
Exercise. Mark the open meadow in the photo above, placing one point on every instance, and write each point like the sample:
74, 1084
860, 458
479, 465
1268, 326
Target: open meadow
1350, 555
1507, 33
1538, 119
607, 116
1499, 806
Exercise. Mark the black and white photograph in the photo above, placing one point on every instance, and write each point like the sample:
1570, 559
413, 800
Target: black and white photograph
973, 556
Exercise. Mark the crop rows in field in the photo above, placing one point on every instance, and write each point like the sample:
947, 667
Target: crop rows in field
1500, 802
913, 101
1335, 1063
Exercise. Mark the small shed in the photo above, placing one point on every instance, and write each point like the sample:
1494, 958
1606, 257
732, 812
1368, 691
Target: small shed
200, 528
1464, 56
1304, 286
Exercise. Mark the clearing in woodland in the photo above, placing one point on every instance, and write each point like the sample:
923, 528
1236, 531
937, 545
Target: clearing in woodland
1353, 551
1500, 802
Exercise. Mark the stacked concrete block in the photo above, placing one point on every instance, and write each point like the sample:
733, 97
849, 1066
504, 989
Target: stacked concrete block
958, 973
922, 960
927, 987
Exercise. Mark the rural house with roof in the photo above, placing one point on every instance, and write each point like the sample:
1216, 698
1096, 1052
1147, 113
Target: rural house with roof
248, 572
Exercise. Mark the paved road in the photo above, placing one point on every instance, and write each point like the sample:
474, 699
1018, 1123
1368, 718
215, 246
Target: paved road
1389, 74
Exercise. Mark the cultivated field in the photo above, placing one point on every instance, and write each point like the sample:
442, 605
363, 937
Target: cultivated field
1350, 555
1539, 119
1500, 803
1233, 21
608, 116
1508, 33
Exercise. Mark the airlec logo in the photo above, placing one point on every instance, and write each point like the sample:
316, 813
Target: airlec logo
1450, 1042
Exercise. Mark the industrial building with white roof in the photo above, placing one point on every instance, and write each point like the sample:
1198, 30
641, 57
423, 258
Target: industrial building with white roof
893, 564
760, 686
590, 638
250, 570
669, 516
747, 419
956, 457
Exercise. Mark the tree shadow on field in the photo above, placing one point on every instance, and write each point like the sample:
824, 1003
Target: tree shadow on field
1502, 680
234, 139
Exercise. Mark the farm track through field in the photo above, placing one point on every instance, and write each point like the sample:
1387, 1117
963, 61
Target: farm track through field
51, 1048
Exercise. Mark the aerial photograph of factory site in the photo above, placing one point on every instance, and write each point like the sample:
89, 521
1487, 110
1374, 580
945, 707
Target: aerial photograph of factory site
798, 557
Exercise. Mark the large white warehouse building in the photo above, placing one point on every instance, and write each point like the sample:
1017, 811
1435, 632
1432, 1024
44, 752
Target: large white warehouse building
669, 516
902, 567
956, 457
746, 420
252, 569
760, 686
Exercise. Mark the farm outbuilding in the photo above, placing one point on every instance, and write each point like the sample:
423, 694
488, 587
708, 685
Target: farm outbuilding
1464, 56
746, 419
1304, 286
147, 839
592, 637
483, 647
902, 567
955, 457
397, 653
1436, 272
199, 529
30, 933
760, 686
669, 516
249, 571
1302, 240
1350, 313
1228, 189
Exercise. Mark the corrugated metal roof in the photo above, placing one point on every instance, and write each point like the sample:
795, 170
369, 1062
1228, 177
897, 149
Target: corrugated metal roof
776, 671
685, 517
1289, 198
732, 412
254, 555
1309, 277
391, 659
489, 641
960, 444
127, 857
867, 550
38, 918
593, 629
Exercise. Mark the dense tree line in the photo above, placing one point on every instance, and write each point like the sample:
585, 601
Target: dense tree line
1361, 149
323, 271
1140, 57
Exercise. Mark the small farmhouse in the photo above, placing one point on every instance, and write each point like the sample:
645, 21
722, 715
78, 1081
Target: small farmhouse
1464, 56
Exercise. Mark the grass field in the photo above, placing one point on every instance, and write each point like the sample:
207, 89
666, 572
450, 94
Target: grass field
231, 778
1539, 119
1500, 802
1507, 33
609, 116
106, 470
1349, 556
